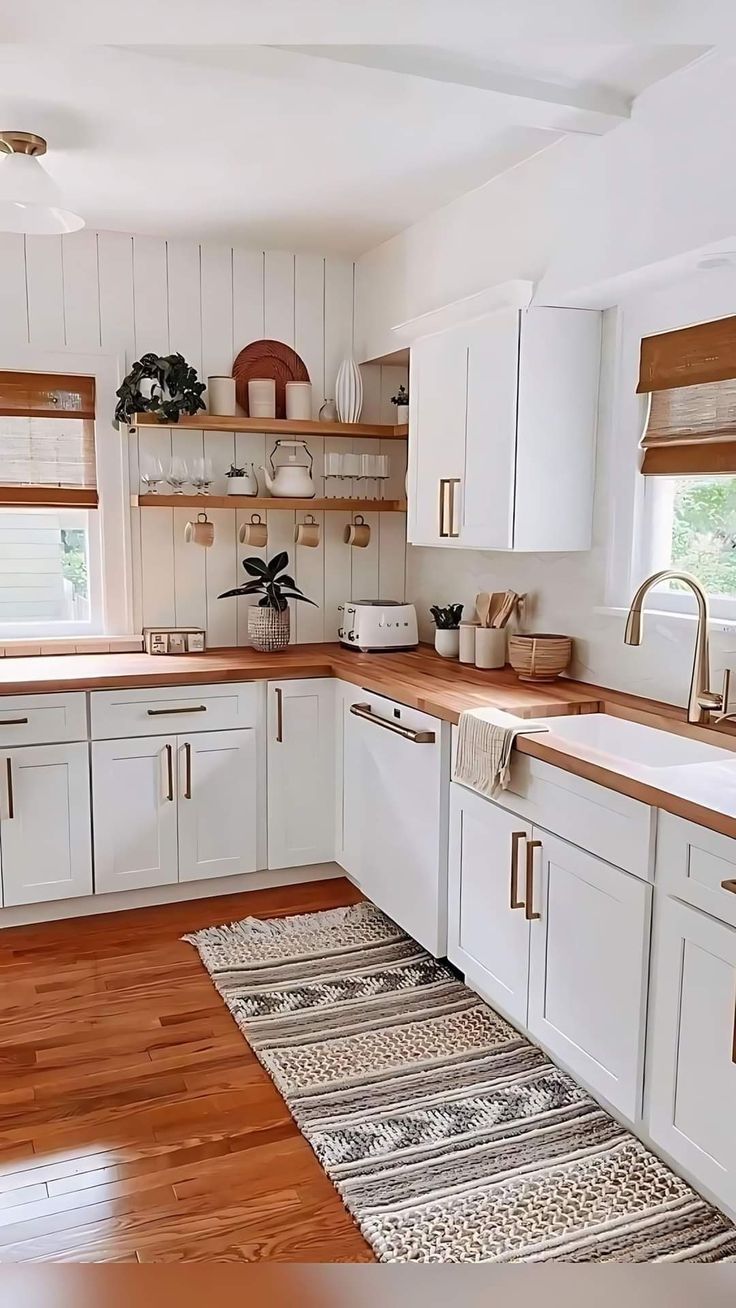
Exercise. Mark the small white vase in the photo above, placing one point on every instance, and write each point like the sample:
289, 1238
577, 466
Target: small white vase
402, 414
349, 391
247, 485
299, 400
447, 642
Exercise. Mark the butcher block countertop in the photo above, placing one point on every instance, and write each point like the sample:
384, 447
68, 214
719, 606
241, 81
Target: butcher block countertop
423, 680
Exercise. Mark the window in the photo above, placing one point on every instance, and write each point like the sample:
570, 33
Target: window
49, 572
691, 525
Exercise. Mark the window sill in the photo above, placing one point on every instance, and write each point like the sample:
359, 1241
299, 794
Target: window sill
670, 615
24, 648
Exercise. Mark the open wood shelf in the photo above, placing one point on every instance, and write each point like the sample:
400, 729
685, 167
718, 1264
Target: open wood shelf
265, 502
275, 426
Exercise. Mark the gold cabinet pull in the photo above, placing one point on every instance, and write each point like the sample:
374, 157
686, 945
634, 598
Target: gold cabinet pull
407, 733
279, 715
516, 839
169, 772
164, 713
187, 770
529, 913
9, 779
13, 722
453, 482
729, 885
443, 505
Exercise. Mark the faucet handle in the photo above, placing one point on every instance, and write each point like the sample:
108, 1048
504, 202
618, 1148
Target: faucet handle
725, 696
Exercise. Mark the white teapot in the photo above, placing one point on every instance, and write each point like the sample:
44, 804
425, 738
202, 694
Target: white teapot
293, 479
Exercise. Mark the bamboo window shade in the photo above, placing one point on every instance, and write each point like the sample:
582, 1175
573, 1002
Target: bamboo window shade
47, 440
690, 376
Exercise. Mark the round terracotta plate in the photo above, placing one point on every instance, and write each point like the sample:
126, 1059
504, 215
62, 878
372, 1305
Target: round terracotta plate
268, 359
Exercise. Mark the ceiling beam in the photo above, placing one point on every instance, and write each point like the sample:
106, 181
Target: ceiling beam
587, 108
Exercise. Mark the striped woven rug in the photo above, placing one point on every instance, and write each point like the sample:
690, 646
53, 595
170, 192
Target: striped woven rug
449, 1137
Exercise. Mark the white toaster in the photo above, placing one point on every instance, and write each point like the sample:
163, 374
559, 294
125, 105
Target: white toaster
377, 625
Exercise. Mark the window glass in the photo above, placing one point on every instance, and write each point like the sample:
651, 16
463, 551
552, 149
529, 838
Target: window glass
45, 566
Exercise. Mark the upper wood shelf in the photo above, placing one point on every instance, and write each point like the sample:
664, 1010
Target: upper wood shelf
275, 426
265, 502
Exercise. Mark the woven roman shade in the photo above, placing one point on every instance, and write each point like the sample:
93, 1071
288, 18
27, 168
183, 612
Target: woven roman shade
690, 376
47, 440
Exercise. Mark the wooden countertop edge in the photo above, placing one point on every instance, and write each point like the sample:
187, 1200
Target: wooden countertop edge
439, 699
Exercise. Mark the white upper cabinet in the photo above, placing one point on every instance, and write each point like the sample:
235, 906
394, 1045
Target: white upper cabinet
502, 430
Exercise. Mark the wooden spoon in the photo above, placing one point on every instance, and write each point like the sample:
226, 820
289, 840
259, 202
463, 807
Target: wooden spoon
483, 608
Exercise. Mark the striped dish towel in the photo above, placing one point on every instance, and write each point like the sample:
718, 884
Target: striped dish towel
485, 741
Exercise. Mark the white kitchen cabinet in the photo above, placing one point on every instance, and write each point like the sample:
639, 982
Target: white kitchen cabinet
396, 773
301, 772
502, 430
134, 794
217, 804
45, 840
588, 968
554, 937
691, 1074
488, 934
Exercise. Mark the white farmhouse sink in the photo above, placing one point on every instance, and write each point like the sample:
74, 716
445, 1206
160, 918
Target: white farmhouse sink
632, 742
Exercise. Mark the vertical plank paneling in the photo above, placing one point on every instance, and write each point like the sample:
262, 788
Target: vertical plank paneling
13, 303
281, 537
151, 332
157, 567
391, 556
45, 283
337, 571
221, 562
217, 346
309, 571
248, 298
190, 576
338, 317
184, 301
242, 552
279, 296
364, 563
309, 291
150, 295
81, 290
117, 319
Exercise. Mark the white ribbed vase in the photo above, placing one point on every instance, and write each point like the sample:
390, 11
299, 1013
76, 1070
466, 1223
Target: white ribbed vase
349, 391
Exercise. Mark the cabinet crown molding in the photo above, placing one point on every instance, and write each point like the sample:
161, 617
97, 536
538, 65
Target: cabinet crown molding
514, 294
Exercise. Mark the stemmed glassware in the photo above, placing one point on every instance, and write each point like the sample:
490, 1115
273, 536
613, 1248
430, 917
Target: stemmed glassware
152, 475
177, 475
202, 476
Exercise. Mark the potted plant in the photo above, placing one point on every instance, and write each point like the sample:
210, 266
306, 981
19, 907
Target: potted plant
268, 621
401, 400
241, 481
162, 384
447, 629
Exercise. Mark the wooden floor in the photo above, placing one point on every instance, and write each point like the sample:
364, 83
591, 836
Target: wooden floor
135, 1123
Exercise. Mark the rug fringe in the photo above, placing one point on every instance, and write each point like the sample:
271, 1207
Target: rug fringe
248, 927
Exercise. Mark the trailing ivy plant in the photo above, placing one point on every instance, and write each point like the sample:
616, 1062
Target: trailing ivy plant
175, 389
271, 582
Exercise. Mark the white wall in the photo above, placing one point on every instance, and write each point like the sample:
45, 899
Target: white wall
607, 222
129, 294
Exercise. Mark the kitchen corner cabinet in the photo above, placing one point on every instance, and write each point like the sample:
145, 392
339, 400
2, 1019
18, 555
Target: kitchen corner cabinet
692, 1054
301, 772
45, 838
555, 938
502, 428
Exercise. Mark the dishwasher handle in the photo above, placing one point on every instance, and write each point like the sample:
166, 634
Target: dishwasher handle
408, 733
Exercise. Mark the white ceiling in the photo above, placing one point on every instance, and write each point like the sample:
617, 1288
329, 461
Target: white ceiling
320, 147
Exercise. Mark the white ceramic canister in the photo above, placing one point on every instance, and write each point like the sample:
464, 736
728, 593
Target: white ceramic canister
490, 647
262, 397
299, 400
221, 396
447, 642
467, 641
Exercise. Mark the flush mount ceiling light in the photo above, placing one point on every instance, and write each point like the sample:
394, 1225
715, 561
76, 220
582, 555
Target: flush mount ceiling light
30, 201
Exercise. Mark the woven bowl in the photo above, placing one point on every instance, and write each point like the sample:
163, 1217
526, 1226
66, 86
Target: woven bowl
539, 657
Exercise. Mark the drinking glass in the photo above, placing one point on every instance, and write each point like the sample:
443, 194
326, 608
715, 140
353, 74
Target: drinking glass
152, 475
202, 476
177, 475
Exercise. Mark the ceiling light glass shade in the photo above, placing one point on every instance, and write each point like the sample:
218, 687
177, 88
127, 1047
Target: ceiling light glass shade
30, 201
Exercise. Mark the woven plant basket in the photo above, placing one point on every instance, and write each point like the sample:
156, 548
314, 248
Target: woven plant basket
539, 657
268, 630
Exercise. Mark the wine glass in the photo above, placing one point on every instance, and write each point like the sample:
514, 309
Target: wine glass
177, 475
202, 476
152, 476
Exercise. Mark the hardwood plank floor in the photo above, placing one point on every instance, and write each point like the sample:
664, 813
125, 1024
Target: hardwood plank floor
135, 1123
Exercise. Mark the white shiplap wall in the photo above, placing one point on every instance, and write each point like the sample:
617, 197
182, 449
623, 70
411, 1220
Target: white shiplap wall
130, 294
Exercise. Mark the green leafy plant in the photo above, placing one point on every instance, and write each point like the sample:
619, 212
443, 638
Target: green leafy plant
271, 581
401, 396
235, 472
447, 618
176, 389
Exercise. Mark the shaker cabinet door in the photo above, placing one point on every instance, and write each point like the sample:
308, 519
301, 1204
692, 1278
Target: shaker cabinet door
134, 807
216, 773
691, 1074
301, 772
439, 368
488, 933
45, 824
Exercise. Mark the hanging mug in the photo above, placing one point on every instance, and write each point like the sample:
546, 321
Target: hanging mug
357, 533
201, 532
307, 532
254, 533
